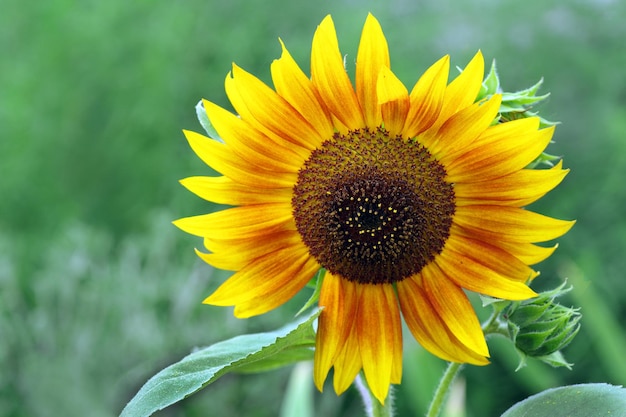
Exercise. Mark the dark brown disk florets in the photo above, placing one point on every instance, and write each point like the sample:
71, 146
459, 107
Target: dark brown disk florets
371, 208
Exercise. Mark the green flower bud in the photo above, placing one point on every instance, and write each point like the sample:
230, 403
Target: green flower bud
540, 327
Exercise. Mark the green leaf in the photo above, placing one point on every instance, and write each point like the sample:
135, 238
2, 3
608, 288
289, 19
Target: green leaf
206, 123
292, 354
555, 359
319, 279
204, 366
585, 400
491, 84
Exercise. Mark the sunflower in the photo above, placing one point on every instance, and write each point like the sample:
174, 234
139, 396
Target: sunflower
403, 199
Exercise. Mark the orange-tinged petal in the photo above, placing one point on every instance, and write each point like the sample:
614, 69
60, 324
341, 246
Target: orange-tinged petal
372, 56
295, 87
516, 189
267, 111
498, 152
427, 98
240, 222
528, 253
474, 276
393, 98
378, 320
224, 243
235, 257
223, 190
348, 363
329, 77
396, 366
219, 157
264, 280
452, 305
510, 224
463, 90
251, 145
491, 256
428, 328
262, 302
461, 129
338, 298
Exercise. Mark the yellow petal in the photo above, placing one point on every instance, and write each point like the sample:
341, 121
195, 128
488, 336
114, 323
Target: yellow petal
396, 366
452, 305
222, 190
246, 222
461, 129
474, 276
251, 145
267, 281
219, 157
295, 87
427, 98
235, 257
428, 328
509, 224
378, 321
499, 151
373, 55
267, 111
348, 363
528, 253
463, 90
517, 189
330, 78
394, 101
493, 257
263, 302
338, 298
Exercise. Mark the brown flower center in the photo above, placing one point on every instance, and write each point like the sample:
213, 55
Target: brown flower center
371, 208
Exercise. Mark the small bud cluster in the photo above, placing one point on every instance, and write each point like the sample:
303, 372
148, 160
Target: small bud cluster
540, 327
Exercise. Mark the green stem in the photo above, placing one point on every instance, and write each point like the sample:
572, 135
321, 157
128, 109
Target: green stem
442, 389
491, 326
373, 407
494, 325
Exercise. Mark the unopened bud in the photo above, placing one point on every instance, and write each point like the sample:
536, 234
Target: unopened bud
541, 327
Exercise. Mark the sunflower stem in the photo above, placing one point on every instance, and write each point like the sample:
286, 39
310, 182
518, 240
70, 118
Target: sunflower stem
492, 325
373, 407
443, 388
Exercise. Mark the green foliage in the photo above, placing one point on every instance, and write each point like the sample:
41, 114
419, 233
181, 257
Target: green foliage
204, 366
582, 400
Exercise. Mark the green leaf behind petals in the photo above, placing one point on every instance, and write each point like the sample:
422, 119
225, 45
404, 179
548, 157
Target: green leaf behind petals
253, 352
206, 123
316, 284
585, 400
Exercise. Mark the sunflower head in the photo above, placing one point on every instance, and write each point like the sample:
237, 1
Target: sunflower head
404, 198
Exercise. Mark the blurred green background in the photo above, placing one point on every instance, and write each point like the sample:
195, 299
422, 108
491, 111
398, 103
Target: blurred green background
98, 290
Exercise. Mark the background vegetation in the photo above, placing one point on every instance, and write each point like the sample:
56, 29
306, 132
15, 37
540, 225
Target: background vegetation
98, 291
